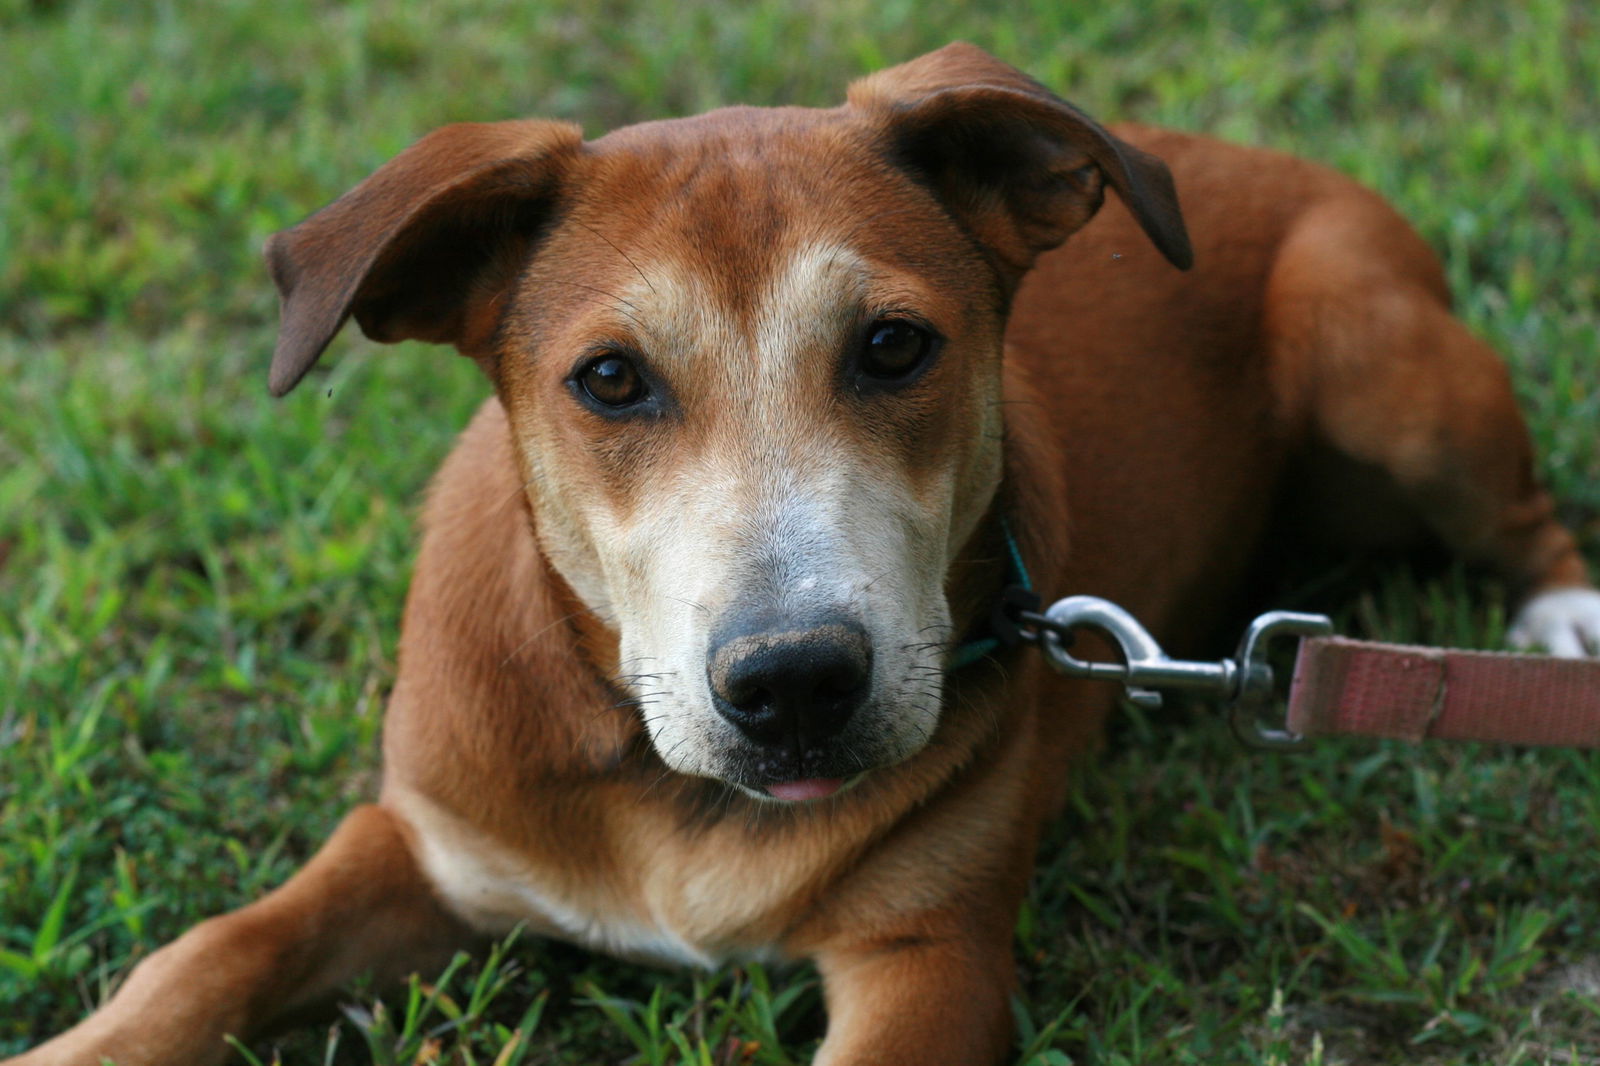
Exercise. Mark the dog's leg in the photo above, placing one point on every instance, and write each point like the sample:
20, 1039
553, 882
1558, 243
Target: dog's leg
918, 1002
360, 905
1418, 411
933, 994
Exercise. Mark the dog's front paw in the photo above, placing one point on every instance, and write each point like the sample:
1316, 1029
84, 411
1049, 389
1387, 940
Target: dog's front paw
1564, 622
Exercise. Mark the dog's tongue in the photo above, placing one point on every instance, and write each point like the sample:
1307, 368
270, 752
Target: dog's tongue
811, 788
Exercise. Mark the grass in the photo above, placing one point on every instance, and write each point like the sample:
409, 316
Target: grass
200, 588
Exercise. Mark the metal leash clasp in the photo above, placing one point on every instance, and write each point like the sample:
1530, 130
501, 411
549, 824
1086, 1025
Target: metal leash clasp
1244, 684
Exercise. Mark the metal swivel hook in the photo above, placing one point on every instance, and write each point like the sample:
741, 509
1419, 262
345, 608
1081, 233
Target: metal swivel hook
1244, 683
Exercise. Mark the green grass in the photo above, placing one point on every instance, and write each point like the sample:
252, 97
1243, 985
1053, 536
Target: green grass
200, 588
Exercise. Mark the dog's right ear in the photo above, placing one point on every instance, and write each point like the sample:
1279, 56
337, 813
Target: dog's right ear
433, 234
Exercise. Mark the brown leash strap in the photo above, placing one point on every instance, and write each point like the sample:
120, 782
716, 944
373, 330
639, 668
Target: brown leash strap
1360, 688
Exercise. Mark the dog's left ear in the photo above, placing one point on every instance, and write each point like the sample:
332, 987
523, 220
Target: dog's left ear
1020, 167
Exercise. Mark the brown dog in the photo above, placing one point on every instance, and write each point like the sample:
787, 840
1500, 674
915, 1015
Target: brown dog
673, 680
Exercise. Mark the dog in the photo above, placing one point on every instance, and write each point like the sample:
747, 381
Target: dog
776, 395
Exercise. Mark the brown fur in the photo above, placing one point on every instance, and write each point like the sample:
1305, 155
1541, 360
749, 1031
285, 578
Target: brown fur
1151, 418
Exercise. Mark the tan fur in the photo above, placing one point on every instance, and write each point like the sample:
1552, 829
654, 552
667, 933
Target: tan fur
552, 755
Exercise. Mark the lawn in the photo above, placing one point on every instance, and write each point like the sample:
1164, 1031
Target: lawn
200, 587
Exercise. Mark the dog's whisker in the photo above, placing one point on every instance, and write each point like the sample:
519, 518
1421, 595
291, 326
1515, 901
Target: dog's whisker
616, 304
618, 301
518, 650
666, 772
624, 680
618, 250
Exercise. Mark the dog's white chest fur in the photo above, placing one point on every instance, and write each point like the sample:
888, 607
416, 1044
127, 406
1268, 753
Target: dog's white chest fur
494, 889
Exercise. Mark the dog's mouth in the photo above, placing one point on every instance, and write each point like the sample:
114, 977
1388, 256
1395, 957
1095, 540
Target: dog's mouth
801, 774
811, 789
800, 791
805, 789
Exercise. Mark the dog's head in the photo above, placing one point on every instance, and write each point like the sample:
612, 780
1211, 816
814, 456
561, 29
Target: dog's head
751, 362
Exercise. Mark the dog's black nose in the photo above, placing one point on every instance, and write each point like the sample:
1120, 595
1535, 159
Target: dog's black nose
788, 684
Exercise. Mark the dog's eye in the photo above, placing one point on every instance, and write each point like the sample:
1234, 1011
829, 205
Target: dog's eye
894, 349
612, 380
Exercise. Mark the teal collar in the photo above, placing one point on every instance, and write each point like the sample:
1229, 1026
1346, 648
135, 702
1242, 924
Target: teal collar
1017, 593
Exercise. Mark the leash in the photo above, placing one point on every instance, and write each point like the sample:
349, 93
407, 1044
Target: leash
1342, 687
1339, 687
1364, 688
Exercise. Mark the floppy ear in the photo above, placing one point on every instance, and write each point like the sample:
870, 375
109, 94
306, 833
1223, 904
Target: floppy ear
1021, 168
413, 250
